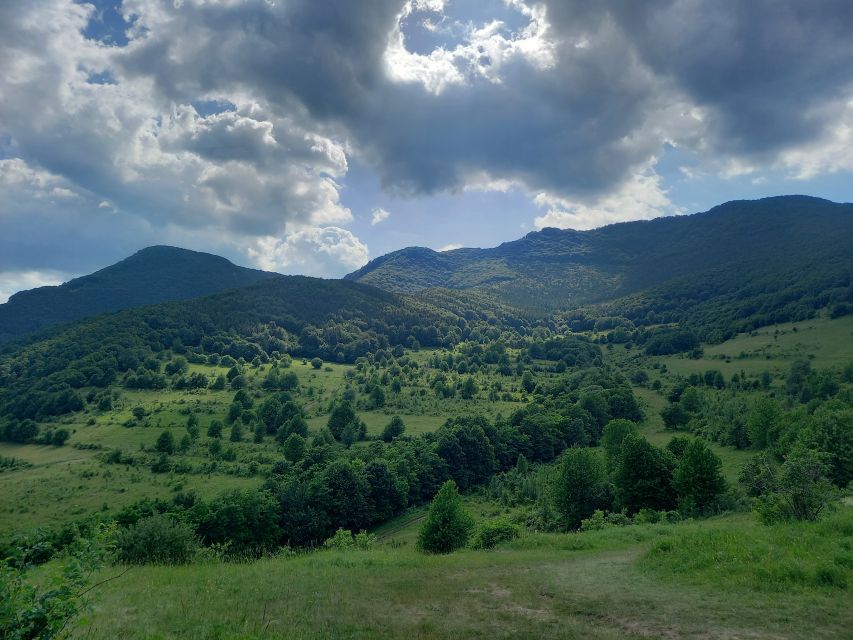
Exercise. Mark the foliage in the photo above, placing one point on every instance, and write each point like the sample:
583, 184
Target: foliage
643, 477
42, 608
803, 491
579, 485
157, 539
491, 533
344, 540
448, 526
697, 478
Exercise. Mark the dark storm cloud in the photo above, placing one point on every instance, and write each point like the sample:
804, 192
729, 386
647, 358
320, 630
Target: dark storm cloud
763, 75
771, 72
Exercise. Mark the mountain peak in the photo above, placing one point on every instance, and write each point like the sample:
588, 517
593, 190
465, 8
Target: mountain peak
154, 274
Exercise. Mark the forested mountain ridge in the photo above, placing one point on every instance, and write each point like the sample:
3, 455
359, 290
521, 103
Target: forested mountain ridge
556, 269
152, 275
305, 317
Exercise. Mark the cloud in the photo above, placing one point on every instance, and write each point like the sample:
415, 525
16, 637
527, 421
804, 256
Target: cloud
451, 246
13, 281
234, 124
150, 159
642, 198
379, 215
322, 251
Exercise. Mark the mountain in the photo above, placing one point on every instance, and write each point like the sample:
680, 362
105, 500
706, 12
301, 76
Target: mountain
152, 275
556, 268
768, 260
305, 317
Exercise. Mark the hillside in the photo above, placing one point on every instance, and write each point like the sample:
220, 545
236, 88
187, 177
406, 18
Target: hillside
152, 275
782, 242
335, 320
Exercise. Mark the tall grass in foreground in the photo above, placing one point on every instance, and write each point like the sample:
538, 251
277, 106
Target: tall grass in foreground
780, 557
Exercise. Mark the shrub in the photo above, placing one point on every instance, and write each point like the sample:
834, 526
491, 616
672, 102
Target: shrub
803, 492
393, 429
492, 533
158, 539
344, 540
165, 443
448, 526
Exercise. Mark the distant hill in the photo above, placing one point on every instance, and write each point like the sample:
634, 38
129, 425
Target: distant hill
764, 258
335, 320
152, 275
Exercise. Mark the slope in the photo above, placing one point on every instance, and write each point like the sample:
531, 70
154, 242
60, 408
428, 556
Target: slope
557, 269
152, 275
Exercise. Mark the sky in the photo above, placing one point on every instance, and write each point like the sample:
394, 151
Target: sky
309, 136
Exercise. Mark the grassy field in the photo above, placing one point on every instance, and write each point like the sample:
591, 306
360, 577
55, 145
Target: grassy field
625, 582
69, 482
826, 343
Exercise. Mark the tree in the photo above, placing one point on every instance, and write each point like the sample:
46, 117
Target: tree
341, 416
388, 494
214, 430
611, 440
294, 448
448, 526
316, 363
377, 397
469, 388
643, 478
677, 445
237, 431
579, 486
803, 491
762, 423
528, 383
393, 429
831, 432
289, 381
674, 416
697, 478
59, 437
758, 474
467, 450
165, 443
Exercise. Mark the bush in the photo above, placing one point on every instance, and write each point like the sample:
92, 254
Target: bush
344, 540
158, 539
492, 533
393, 429
803, 491
448, 526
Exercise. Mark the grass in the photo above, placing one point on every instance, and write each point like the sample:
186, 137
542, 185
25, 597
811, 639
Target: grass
825, 342
70, 483
615, 583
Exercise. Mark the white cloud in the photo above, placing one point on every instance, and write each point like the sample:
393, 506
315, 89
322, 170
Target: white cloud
317, 251
830, 153
640, 198
484, 53
379, 215
14, 281
142, 156
451, 246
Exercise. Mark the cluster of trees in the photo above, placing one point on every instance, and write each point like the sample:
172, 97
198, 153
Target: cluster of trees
321, 486
633, 475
